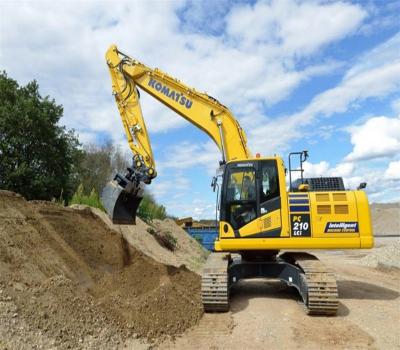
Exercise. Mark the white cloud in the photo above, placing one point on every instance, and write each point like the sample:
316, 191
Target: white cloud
301, 27
188, 155
260, 55
393, 171
376, 57
374, 82
374, 79
315, 169
176, 185
382, 186
377, 137
323, 168
87, 137
196, 208
396, 106
345, 169
66, 53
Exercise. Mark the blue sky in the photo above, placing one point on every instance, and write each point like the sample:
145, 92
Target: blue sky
316, 75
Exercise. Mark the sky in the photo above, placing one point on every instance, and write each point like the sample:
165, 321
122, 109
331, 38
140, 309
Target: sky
317, 75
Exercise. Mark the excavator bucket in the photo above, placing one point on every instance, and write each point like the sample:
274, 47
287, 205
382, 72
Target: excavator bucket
120, 203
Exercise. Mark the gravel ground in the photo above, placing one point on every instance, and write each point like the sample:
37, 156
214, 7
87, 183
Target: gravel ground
265, 314
387, 256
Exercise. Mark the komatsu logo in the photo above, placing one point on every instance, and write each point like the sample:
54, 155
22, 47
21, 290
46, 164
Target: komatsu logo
173, 95
341, 227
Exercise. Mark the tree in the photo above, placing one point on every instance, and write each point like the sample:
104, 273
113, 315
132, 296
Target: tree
99, 164
149, 209
38, 157
95, 168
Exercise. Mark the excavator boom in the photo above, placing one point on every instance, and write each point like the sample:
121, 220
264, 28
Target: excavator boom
121, 197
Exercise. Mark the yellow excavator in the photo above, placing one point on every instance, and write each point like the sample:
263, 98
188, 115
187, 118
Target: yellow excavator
258, 215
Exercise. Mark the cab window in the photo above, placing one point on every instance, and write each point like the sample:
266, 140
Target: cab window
241, 196
269, 182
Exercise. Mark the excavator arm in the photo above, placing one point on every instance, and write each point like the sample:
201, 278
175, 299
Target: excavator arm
122, 196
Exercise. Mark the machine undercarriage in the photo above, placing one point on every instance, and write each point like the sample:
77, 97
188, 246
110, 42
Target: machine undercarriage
315, 283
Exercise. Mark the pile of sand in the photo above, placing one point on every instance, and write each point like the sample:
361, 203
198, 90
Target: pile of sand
69, 281
188, 251
387, 256
386, 218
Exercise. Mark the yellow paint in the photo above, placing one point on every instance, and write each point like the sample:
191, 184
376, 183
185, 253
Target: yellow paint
209, 115
205, 112
229, 234
233, 245
358, 211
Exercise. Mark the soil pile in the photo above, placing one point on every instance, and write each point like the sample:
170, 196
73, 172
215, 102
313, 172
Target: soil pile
69, 281
387, 256
188, 251
386, 218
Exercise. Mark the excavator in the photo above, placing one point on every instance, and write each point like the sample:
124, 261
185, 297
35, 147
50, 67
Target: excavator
262, 220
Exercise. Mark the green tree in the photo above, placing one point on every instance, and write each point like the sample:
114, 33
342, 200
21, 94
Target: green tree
99, 164
92, 200
149, 209
95, 167
38, 157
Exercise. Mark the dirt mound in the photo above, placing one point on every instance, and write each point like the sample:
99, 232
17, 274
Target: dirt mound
386, 218
69, 281
387, 256
188, 252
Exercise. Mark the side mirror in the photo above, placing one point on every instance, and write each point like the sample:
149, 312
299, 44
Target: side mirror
304, 156
361, 186
214, 183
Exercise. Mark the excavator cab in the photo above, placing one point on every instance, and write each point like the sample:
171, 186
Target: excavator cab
250, 189
121, 197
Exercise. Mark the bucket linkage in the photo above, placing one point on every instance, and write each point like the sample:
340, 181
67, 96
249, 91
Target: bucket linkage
121, 196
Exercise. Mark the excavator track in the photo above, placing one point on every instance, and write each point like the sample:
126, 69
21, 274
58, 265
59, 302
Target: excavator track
215, 283
315, 283
322, 293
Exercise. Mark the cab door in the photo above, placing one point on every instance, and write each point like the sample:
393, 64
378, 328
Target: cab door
269, 199
251, 201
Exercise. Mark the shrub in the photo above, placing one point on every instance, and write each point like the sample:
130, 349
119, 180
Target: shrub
165, 239
92, 200
150, 210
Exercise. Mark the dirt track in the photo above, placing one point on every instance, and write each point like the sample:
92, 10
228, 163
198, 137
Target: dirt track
268, 315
